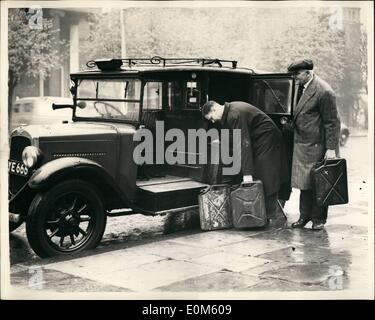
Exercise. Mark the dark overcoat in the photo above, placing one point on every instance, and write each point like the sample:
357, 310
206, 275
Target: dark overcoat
317, 128
262, 149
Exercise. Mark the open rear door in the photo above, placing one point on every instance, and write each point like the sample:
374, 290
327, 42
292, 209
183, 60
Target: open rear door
274, 94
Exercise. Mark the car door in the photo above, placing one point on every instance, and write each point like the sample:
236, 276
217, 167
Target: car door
274, 94
186, 96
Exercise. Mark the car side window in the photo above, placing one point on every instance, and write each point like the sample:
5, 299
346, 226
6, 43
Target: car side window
172, 95
166, 95
153, 95
273, 95
27, 107
175, 95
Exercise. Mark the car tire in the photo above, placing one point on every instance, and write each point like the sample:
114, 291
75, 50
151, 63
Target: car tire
72, 209
343, 141
14, 225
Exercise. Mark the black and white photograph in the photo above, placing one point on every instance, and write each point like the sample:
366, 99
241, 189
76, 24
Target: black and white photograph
187, 150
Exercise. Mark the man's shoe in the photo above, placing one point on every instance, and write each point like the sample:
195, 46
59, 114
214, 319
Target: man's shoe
318, 226
300, 223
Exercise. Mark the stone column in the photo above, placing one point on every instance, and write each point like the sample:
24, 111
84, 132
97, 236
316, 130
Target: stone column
54, 81
74, 48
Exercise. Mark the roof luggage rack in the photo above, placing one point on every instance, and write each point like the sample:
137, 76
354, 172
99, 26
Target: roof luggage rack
115, 64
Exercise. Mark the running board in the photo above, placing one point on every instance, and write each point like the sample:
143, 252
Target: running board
164, 212
127, 212
163, 197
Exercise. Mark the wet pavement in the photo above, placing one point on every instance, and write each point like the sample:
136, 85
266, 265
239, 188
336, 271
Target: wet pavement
171, 254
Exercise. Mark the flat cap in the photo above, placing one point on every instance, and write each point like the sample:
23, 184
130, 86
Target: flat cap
305, 64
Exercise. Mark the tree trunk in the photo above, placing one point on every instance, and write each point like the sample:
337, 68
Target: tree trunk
11, 86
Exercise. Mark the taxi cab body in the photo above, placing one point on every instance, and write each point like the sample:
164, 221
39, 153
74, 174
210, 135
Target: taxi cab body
65, 179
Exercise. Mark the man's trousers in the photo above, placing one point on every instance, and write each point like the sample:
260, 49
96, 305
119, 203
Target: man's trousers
309, 210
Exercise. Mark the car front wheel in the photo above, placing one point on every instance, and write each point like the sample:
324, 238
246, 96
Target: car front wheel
67, 218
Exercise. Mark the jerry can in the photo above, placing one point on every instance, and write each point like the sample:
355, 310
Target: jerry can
248, 205
330, 182
214, 208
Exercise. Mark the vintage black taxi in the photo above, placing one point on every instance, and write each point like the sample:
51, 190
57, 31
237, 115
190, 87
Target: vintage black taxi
65, 179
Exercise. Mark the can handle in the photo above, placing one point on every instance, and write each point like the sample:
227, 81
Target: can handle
325, 161
249, 184
214, 187
218, 186
205, 190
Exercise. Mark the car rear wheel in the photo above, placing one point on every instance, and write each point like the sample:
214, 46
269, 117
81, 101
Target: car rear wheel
67, 218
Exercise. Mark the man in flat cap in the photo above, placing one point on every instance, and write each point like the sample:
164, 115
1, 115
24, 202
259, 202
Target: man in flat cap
316, 135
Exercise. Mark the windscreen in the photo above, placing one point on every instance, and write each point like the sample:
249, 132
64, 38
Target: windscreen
117, 99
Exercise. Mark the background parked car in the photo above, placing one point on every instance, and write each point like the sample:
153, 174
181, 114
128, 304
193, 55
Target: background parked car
344, 134
38, 110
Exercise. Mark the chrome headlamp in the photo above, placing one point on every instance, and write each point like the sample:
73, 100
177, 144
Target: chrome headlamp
30, 156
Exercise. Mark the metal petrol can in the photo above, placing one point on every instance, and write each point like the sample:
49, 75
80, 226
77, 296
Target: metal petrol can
214, 208
330, 182
248, 205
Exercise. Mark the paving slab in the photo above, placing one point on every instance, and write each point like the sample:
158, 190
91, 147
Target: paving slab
313, 273
171, 249
229, 261
282, 285
223, 260
353, 243
212, 239
52, 280
356, 278
221, 281
253, 246
346, 230
305, 254
292, 236
247, 232
269, 266
105, 263
146, 276
164, 272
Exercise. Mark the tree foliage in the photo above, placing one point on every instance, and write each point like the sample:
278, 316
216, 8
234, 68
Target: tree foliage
31, 52
103, 39
363, 61
310, 37
262, 38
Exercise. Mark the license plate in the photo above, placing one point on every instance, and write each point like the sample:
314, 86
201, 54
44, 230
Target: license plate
18, 168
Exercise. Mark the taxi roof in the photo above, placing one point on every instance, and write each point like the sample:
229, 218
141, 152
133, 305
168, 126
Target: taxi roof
139, 70
137, 67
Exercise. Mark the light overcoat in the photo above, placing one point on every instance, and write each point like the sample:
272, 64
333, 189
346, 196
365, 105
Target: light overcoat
317, 128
